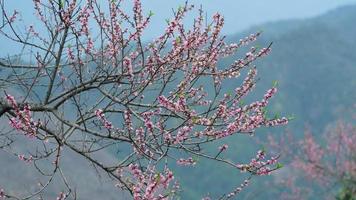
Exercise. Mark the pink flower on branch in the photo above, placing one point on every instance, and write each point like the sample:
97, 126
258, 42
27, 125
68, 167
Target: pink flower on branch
150, 184
2, 194
25, 159
238, 189
101, 116
223, 147
23, 118
61, 196
260, 165
13, 16
186, 162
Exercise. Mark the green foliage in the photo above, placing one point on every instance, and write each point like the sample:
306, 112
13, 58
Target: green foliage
279, 166
347, 193
150, 14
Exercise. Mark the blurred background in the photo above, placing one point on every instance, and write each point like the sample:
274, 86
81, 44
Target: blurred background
313, 59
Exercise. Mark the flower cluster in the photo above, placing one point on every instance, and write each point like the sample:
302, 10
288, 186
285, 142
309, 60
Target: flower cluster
150, 184
128, 120
101, 116
39, 10
238, 189
182, 134
128, 65
140, 144
13, 16
61, 196
148, 123
25, 159
244, 119
141, 23
179, 106
67, 14
2, 194
23, 120
84, 19
260, 165
186, 162
223, 147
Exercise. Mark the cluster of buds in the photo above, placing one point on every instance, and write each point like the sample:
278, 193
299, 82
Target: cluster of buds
25, 159
84, 19
150, 184
2, 194
61, 196
39, 11
260, 165
101, 116
23, 120
178, 106
128, 65
238, 189
13, 16
67, 14
223, 147
182, 134
186, 162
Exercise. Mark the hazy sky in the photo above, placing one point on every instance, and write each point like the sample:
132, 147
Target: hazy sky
239, 14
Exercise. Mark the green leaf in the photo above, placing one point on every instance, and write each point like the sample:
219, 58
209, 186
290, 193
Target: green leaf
277, 116
291, 117
195, 158
150, 14
263, 149
279, 165
195, 119
274, 83
178, 40
158, 177
61, 4
264, 110
180, 8
242, 103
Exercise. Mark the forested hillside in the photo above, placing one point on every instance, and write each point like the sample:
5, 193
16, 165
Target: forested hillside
314, 62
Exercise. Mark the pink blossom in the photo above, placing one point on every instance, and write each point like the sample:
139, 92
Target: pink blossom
186, 162
25, 159
128, 66
61, 196
150, 184
101, 116
13, 16
223, 147
2, 194
23, 120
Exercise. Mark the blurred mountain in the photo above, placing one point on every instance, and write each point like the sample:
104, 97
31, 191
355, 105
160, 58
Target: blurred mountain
314, 62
